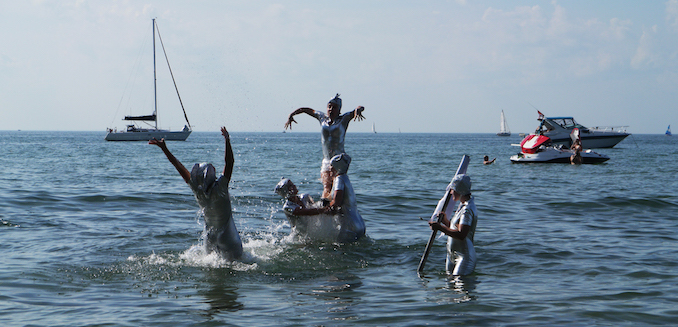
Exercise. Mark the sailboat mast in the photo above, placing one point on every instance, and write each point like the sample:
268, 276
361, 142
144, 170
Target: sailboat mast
155, 87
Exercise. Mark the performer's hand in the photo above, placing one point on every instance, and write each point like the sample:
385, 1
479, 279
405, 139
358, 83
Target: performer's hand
160, 143
358, 113
224, 132
289, 122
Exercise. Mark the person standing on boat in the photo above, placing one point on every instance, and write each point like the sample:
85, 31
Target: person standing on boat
461, 254
343, 201
576, 158
333, 131
213, 197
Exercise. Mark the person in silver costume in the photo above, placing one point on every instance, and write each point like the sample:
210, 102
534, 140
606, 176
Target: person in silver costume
343, 201
333, 130
296, 204
461, 255
212, 195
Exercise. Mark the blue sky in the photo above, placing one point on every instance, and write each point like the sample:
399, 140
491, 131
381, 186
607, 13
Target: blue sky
424, 66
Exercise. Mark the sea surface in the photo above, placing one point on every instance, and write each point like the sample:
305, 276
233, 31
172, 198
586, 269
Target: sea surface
96, 233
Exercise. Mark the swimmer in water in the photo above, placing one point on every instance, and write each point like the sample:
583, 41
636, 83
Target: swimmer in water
343, 201
487, 161
214, 200
461, 255
333, 130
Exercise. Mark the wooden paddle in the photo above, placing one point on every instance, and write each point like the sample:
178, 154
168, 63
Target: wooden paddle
446, 201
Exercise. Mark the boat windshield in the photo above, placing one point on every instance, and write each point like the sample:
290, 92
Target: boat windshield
566, 122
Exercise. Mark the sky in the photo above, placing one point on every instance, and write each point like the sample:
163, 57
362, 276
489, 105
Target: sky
416, 66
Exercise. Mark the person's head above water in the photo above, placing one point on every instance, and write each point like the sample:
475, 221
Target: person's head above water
334, 106
204, 175
340, 163
461, 184
286, 188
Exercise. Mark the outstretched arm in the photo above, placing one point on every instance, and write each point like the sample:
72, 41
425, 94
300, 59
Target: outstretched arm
178, 165
228, 155
291, 120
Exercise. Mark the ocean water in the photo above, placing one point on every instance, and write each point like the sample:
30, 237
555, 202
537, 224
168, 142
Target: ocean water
96, 233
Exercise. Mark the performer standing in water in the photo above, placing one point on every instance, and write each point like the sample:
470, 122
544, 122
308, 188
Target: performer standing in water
214, 200
333, 130
461, 255
343, 201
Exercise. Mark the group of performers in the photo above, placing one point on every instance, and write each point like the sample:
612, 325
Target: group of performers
335, 216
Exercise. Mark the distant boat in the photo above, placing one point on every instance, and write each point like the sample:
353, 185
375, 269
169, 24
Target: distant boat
558, 129
668, 131
503, 126
373, 130
134, 133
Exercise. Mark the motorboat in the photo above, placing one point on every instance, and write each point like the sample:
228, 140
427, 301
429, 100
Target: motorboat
137, 133
558, 129
540, 149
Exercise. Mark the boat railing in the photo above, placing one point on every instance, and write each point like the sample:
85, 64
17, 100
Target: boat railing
617, 129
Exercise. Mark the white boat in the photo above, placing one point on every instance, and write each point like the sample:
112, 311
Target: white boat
503, 126
668, 131
373, 129
136, 133
539, 149
558, 129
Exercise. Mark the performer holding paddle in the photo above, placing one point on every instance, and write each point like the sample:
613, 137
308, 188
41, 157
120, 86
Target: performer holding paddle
461, 254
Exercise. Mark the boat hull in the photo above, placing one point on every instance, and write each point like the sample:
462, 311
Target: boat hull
553, 155
148, 135
504, 134
594, 140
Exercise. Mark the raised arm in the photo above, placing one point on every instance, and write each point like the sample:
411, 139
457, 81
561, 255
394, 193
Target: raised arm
291, 120
178, 165
228, 155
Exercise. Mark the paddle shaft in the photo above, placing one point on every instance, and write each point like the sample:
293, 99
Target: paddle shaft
422, 263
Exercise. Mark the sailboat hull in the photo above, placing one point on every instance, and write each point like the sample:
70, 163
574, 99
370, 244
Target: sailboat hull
148, 135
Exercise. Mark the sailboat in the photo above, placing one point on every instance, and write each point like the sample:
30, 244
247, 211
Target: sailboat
373, 130
135, 133
668, 131
503, 126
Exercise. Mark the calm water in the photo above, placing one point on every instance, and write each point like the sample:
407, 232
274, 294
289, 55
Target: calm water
108, 234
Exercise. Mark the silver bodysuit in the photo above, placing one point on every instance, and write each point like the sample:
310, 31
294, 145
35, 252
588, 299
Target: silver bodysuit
352, 224
221, 234
461, 255
332, 135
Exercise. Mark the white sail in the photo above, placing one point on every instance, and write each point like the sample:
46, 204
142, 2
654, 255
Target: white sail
503, 126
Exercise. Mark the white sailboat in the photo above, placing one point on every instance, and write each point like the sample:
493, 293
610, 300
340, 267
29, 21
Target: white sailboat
135, 133
373, 130
503, 126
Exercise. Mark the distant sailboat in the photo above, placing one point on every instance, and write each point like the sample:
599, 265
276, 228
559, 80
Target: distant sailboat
134, 133
373, 130
668, 131
503, 126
